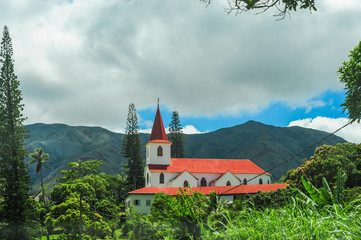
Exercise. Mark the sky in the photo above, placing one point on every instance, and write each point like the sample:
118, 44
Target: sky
82, 63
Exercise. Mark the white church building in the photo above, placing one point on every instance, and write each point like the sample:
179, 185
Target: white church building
165, 174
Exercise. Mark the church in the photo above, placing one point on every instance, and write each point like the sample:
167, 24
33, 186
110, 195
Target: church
233, 178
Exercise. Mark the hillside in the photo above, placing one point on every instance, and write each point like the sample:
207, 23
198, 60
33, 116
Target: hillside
265, 145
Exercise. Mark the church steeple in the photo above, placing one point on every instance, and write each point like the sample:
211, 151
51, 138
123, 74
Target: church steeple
158, 131
158, 147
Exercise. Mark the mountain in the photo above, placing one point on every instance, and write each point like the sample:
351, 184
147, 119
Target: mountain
265, 145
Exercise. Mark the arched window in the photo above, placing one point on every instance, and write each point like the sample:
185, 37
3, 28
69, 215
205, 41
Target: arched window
160, 151
260, 181
228, 183
161, 178
147, 178
244, 181
186, 183
203, 182
267, 181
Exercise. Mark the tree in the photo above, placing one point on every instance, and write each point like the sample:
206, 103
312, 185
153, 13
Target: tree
326, 161
12, 146
350, 75
132, 150
283, 6
176, 136
39, 157
82, 193
80, 169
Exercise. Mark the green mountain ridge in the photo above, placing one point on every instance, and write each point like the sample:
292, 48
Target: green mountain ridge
265, 145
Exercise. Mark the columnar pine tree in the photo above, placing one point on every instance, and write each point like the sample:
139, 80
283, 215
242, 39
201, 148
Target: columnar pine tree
176, 136
132, 151
12, 147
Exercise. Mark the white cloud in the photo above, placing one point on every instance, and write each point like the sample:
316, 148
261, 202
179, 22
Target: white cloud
190, 129
340, 5
350, 133
147, 130
83, 62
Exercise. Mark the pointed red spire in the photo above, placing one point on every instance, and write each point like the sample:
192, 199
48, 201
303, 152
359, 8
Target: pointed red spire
158, 131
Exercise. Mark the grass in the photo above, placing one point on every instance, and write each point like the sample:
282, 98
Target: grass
117, 234
290, 222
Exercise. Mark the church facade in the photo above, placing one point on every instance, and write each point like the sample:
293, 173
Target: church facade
165, 174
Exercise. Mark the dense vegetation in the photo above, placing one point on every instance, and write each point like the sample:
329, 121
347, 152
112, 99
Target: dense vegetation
325, 208
318, 209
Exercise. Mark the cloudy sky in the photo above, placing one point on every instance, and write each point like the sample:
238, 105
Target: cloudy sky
83, 62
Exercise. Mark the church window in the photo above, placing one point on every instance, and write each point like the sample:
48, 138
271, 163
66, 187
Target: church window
260, 181
203, 182
161, 178
160, 151
267, 181
244, 181
186, 183
147, 178
228, 183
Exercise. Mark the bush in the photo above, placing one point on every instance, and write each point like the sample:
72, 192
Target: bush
352, 193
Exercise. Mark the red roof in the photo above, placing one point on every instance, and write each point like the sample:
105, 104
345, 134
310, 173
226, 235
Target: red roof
224, 190
158, 132
193, 165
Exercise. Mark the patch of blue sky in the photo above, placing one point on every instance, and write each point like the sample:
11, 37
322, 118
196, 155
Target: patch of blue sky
276, 114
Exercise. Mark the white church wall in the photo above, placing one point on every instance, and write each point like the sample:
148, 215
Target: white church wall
185, 176
228, 176
265, 178
152, 153
208, 176
140, 202
155, 177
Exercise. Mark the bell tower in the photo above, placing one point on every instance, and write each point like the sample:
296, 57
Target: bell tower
158, 147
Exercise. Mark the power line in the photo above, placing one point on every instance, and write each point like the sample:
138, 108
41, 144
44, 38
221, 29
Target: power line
292, 157
283, 162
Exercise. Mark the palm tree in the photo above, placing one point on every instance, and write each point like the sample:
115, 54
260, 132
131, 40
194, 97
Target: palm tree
40, 157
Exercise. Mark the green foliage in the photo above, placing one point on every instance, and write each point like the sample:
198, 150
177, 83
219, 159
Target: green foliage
118, 185
326, 162
132, 151
282, 6
269, 199
99, 208
15, 210
350, 74
293, 221
185, 213
324, 196
176, 136
351, 194
340, 187
80, 169
39, 157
